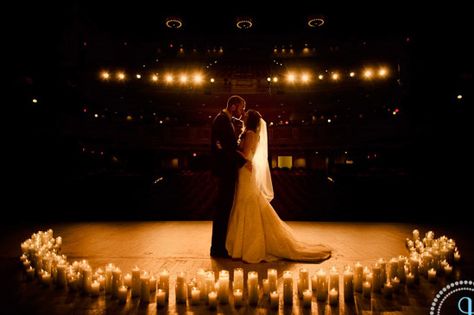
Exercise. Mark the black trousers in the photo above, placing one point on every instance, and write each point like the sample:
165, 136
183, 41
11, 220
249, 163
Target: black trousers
223, 206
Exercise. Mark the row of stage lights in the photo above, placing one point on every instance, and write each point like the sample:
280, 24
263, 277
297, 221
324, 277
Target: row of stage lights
291, 77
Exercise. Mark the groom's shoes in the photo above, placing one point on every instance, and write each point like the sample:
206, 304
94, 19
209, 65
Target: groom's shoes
219, 254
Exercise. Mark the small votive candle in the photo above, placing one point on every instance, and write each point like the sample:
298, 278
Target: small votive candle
127, 280
274, 299
161, 298
432, 275
122, 294
46, 278
30, 273
366, 289
457, 256
333, 297
152, 284
410, 279
395, 284
237, 297
195, 296
212, 299
388, 290
307, 297
448, 270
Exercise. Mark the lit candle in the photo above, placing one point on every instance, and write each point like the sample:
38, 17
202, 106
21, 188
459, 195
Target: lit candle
383, 270
396, 284
180, 288
116, 281
287, 287
201, 283
122, 294
237, 297
160, 298
393, 272
348, 278
377, 278
108, 278
145, 287
366, 289
314, 282
238, 279
252, 287
333, 297
127, 280
387, 290
266, 287
432, 275
212, 299
195, 296
272, 279
101, 280
136, 287
223, 291
416, 235
61, 275
152, 284
95, 288
304, 279
457, 256
410, 279
165, 282
307, 297
322, 288
447, 270
46, 278
358, 274
274, 299
333, 278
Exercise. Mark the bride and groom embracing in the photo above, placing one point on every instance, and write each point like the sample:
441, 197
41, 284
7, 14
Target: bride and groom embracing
245, 225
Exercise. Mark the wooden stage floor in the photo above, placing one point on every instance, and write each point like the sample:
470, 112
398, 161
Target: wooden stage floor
184, 246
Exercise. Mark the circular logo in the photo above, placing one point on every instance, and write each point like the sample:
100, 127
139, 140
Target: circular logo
455, 298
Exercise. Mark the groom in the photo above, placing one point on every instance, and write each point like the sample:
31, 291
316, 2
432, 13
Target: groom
225, 163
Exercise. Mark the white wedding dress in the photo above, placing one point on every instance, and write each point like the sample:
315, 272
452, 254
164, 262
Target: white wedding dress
255, 232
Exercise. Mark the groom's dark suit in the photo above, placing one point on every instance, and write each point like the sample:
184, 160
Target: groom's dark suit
225, 163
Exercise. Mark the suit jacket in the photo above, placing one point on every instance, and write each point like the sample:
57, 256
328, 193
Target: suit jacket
225, 158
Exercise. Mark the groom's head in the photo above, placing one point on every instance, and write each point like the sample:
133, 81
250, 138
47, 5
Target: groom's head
236, 106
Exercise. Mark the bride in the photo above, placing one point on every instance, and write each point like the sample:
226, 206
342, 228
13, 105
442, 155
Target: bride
255, 231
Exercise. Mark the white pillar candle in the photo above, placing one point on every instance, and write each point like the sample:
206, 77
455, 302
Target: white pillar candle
145, 287
223, 291
314, 282
333, 297
333, 278
358, 274
238, 279
432, 275
152, 283
122, 294
393, 270
212, 299
195, 296
127, 280
266, 287
116, 281
272, 279
322, 287
108, 278
180, 288
366, 289
136, 287
101, 280
160, 298
416, 235
61, 275
457, 257
95, 288
287, 287
307, 297
46, 278
190, 285
274, 299
165, 282
401, 268
377, 278
348, 278
414, 264
237, 297
383, 270
304, 278
201, 283
252, 287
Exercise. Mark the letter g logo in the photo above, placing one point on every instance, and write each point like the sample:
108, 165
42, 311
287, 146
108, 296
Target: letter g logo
465, 308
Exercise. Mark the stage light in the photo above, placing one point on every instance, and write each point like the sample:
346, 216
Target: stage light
34, 100
320, 77
291, 77
138, 76
275, 79
105, 75
382, 72
335, 76
212, 80
352, 74
197, 78
329, 120
169, 78
183, 78
269, 79
96, 115
121, 76
459, 97
305, 78
154, 78
368, 74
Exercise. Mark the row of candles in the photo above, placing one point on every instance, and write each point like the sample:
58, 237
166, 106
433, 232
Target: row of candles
429, 257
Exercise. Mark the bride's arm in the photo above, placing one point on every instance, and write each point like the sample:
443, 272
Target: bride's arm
250, 145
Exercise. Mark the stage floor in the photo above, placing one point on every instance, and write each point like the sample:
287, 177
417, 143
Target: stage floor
184, 246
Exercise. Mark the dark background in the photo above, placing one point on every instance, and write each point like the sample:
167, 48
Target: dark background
63, 164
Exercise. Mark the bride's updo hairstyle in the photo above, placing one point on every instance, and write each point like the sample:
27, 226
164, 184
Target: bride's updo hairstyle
252, 121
